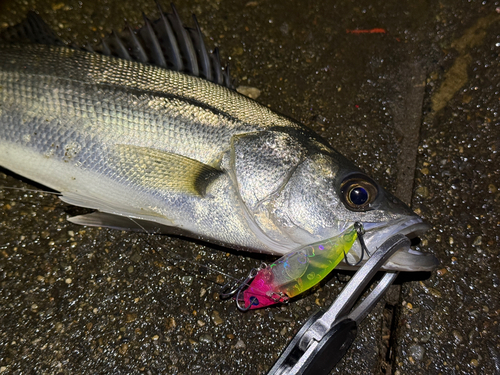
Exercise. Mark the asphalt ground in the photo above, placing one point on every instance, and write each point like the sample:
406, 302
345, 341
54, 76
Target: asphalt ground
409, 90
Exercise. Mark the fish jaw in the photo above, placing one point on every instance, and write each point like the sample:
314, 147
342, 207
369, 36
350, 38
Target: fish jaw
405, 259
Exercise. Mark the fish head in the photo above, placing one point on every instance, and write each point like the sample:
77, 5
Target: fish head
382, 215
326, 194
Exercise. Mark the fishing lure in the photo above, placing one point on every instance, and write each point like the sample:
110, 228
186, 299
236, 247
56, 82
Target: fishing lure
295, 272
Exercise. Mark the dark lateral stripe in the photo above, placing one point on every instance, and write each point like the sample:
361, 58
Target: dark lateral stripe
160, 94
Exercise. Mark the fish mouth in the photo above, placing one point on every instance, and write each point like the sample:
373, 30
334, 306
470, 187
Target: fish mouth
404, 259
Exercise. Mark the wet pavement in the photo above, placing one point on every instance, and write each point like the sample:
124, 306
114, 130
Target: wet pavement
415, 102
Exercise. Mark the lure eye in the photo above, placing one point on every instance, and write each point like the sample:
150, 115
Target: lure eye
358, 192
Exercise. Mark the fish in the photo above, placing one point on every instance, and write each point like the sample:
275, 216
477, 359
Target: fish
146, 129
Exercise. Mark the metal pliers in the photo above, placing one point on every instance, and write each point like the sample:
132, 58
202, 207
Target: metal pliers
327, 335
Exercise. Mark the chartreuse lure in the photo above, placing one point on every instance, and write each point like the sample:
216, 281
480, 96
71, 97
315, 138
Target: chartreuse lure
297, 271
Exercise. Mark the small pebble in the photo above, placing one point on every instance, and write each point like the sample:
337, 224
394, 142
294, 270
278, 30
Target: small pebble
417, 352
240, 344
59, 327
206, 338
442, 271
425, 338
496, 282
123, 349
466, 98
216, 318
170, 323
474, 362
281, 318
219, 279
458, 337
434, 292
251, 92
201, 323
422, 192
129, 318
68, 281
187, 280
136, 258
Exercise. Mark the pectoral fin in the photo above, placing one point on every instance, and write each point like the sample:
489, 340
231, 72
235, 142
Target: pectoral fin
159, 170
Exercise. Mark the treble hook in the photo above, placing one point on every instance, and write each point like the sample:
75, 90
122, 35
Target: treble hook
238, 286
253, 301
360, 231
235, 285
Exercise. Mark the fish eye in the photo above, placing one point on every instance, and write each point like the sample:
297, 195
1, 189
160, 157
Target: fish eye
358, 192
358, 195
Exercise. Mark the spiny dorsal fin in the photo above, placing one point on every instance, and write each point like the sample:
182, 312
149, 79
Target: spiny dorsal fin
169, 44
165, 42
31, 30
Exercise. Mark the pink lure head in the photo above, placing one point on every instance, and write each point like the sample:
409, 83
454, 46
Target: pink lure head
261, 291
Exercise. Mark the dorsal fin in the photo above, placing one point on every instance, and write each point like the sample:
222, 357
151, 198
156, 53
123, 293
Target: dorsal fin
167, 43
31, 30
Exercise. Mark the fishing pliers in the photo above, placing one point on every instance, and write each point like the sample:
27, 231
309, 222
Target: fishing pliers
327, 335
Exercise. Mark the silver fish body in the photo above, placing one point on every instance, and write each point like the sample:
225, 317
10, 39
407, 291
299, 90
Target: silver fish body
138, 141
